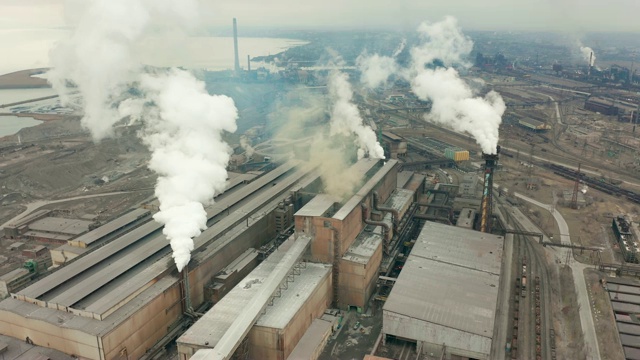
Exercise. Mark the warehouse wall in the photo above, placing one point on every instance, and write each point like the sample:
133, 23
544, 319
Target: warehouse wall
255, 236
277, 344
141, 330
357, 281
43, 333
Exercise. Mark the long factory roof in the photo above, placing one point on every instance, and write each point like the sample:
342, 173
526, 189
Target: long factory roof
450, 279
98, 285
108, 228
356, 199
259, 285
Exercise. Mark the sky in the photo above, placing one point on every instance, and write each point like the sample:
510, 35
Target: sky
578, 16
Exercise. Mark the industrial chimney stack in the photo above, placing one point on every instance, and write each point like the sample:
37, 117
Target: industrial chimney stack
235, 46
486, 207
590, 63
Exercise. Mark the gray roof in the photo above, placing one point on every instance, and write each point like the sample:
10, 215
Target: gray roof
318, 206
356, 199
214, 324
451, 279
60, 225
111, 226
291, 300
363, 247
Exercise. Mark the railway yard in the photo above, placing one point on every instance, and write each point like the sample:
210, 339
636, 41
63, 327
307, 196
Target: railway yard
566, 202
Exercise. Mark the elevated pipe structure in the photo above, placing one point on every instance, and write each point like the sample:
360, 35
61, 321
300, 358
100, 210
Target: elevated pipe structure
377, 206
486, 206
386, 228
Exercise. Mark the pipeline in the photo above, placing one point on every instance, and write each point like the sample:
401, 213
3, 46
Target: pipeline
376, 206
386, 228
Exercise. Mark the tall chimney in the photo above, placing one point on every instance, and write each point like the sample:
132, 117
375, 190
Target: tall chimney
235, 46
248, 63
590, 63
486, 206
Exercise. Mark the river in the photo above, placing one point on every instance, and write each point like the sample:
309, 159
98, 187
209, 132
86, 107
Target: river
10, 125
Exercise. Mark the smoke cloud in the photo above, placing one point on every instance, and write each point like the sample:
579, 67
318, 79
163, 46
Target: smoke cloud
246, 145
453, 101
586, 54
97, 59
375, 69
182, 123
346, 119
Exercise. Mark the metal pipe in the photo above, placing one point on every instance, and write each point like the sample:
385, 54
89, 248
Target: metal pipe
376, 205
367, 220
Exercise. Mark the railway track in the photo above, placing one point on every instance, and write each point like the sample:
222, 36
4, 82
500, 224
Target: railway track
595, 183
532, 330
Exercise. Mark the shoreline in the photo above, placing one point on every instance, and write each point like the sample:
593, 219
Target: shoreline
38, 116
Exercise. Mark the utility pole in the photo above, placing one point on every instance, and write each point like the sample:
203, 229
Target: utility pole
574, 199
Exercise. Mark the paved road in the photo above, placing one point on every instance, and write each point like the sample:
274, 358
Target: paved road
40, 203
592, 350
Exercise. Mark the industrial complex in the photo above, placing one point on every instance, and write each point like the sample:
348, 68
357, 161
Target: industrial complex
431, 249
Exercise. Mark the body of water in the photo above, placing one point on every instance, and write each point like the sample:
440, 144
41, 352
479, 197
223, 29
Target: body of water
29, 48
10, 125
10, 96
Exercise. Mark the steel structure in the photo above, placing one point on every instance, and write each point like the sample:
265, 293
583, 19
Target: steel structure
486, 207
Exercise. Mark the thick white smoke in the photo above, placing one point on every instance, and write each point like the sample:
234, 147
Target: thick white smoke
453, 100
346, 119
183, 128
376, 69
97, 58
586, 54
182, 123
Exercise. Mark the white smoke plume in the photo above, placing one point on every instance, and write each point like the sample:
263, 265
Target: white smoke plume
246, 145
97, 58
346, 119
586, 54
375, 69
183, 126
453, 100
182, 123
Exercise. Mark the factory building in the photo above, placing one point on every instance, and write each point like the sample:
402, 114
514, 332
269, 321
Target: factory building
347, 242
396, 144
125, 299
533, 125
84, 243
424, 307
601, 106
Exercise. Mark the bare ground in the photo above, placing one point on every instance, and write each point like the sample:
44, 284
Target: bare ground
608, 340
566, 319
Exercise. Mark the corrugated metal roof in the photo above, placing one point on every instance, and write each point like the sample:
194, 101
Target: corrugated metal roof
450, 278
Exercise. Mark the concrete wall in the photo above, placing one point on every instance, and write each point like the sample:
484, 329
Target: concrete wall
45, 334
433, 336
138, 333
257, 234
267, 343
357, 281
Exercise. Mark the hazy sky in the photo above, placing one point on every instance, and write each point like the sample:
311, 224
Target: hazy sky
578, 16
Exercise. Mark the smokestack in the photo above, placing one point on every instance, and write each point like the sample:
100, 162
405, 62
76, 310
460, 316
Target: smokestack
235, 46
248, 63
590, 63
486, 206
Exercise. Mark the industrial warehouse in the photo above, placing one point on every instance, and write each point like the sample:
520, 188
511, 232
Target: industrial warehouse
346, 194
